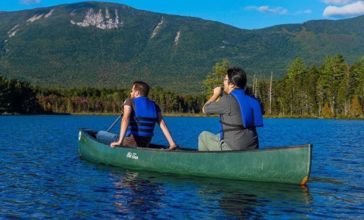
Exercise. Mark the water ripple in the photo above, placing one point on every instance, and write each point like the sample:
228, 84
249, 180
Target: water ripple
42, 176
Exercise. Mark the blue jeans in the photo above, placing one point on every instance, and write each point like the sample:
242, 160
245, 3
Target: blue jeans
106, 137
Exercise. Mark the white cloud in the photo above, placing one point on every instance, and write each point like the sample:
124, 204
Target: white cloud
28, 2
307, 11
338, 2
276, 10
353, 9
268, 9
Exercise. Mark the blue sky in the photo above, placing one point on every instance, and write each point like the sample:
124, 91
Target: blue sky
248, 14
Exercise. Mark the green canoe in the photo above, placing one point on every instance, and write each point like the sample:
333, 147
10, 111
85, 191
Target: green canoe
283, 164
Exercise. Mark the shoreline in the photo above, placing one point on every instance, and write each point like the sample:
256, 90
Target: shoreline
181, 115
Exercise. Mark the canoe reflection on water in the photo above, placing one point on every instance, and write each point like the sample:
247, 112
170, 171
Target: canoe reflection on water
135, 196
254, 199
146, 195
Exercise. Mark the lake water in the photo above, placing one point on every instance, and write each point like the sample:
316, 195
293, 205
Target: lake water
42, 176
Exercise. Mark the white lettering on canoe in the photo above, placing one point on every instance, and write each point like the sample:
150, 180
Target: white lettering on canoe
79, 135
133, 156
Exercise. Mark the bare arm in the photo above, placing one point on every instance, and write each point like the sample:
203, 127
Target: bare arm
167, 134
216, 94
123, 126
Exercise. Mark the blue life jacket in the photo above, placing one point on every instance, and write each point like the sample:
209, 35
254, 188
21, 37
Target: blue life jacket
250, 110
143, 118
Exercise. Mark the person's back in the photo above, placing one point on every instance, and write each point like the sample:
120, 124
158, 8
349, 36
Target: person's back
143, 117
239, 113
142, 121
139, 119
234, 135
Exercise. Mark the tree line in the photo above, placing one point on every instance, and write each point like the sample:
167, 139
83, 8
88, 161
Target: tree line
20, 97
17, 96
332, 89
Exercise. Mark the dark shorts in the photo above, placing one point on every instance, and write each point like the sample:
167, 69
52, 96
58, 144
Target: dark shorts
130, 141
137, 141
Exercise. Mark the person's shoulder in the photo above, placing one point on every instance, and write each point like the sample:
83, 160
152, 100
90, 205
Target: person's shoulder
227, 98
157, 107
128, 101
230, 100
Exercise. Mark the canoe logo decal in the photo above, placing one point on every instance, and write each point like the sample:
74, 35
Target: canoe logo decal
79, 135
133, 156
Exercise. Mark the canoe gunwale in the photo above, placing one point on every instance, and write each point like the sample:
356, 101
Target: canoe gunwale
186, 150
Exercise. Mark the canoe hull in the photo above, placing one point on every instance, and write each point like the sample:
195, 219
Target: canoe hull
284, 165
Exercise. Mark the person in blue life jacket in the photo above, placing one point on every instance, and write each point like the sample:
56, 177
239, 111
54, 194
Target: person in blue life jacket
239, 112
139, 119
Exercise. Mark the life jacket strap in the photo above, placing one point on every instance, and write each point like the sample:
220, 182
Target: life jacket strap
146, 119
232, 125
138, 123
232, 129
137, 129
236, 127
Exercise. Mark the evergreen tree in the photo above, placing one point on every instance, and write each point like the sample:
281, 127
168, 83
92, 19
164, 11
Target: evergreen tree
326, 111
295, 75
344, 94
358, 70
215, 78
309, 86
332, 72
356, 108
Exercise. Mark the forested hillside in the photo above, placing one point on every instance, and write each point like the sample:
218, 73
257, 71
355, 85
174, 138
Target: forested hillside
332, 89
105, 45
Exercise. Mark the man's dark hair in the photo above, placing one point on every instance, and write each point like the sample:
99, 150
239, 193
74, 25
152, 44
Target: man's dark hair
141, 87
237, 76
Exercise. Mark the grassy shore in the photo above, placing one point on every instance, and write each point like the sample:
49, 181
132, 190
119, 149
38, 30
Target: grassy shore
164, 114
174, 114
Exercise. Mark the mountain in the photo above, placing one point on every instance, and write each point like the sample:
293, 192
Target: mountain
110, 45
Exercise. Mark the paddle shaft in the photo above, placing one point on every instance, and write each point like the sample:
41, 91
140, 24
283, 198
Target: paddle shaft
113, 124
